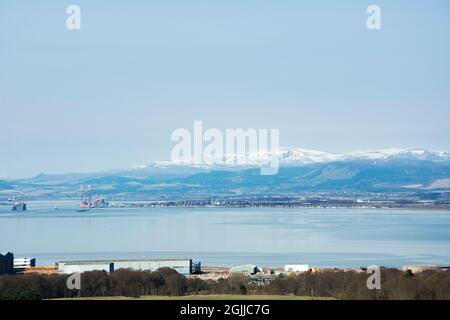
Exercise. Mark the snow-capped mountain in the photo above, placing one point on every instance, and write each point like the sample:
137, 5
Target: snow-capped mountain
400, 154
300, 170
299, 156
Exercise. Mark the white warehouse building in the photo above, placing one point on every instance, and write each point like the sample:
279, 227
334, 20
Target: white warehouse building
296, 268
182, 266
245, 269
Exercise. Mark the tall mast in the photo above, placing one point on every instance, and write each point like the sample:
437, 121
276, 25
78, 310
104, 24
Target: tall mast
82, 194
90, 194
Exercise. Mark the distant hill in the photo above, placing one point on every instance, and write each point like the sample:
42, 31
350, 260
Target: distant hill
390, 170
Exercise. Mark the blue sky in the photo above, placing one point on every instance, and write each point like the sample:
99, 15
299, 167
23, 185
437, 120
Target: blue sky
109, 95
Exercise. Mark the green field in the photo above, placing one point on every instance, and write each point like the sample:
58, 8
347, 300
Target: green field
206, 297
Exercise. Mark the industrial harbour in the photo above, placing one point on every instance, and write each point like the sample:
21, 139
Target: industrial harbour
184, 266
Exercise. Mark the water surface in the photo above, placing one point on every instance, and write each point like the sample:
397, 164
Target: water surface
266, 237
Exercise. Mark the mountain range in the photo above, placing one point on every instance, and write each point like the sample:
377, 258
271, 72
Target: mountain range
298, 156
301, 171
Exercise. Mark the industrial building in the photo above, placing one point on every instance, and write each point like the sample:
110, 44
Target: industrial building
423, 267
182, 266
20, 264
245, 269
7, 263
69, 267
296, 268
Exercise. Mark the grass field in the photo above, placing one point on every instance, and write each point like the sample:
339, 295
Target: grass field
206, 297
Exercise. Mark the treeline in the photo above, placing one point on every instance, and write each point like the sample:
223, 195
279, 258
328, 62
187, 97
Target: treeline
395, 284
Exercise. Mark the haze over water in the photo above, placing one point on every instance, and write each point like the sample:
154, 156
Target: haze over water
225, 237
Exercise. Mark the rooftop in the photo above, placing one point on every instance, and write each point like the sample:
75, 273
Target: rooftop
115, 260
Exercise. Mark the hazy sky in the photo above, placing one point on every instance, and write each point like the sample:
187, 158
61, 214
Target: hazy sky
109, 95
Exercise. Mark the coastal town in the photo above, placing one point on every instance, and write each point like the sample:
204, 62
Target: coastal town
368, 201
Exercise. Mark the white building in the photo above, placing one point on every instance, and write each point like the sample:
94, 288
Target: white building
20, 264
69, 267
182, 266
245, 269
296, 268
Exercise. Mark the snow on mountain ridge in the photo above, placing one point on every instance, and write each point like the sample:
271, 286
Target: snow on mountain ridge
394, 153
299, 156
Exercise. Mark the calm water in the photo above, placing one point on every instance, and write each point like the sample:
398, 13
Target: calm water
266, 237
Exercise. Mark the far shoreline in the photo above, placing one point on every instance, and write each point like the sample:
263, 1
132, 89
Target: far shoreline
181, 204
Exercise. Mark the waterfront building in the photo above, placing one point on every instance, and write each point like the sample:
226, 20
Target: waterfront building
7, 263
296, 268
423, 267
245, 269
182, 266
20, 264
69, 267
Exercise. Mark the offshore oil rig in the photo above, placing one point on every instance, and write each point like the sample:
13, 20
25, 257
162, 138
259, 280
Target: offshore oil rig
88, 202
18, 205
